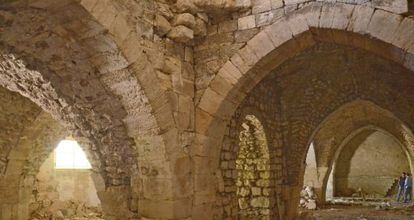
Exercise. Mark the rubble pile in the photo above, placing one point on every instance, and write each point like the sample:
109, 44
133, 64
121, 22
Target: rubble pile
59, 210
307, 198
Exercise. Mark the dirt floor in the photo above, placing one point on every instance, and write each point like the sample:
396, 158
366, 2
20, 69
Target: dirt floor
394, 211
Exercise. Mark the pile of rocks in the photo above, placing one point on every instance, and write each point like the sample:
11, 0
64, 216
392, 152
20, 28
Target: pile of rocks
307, 198
59, 210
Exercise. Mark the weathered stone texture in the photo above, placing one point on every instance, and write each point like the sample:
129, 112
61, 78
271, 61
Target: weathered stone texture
152, 87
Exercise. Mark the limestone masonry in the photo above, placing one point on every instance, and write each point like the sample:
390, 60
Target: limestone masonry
196, 109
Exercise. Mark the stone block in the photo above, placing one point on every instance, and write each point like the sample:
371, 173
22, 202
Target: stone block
276, 4
312, 13
239, 63
327, 15
297, 24
279, 32
265, 18
360, 19
403, 37
230, 72
260, 202
394, 6
256, 191
221, 85
246, 22
383, 25
261, 44
294, 2
343, 13
211, 101
249, 56
245, 35
260, 6
203, 121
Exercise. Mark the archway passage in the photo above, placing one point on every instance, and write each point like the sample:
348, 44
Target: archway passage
159, 89
368, 165
298, 98
64, 185
253, 170
31, 186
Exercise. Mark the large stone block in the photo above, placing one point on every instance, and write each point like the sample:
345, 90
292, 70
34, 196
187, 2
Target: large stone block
246, 22
261, 44
395, 6
360, 19
279, 32
260, 6
383, 25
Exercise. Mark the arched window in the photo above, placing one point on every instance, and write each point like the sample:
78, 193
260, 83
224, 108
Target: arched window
253, 169
69, 155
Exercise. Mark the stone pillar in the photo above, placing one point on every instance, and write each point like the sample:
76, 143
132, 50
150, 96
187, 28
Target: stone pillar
291, 197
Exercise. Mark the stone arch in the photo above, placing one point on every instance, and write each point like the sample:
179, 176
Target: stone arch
33, 135
34, 144
171, 113
142, 120
337, 23
74, 88
349, 120
351, 25
344, 163
229, 189
253, 169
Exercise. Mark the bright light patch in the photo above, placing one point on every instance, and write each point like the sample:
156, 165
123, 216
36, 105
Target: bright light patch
69, 155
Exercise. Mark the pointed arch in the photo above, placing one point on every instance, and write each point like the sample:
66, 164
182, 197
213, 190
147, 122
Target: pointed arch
355, 26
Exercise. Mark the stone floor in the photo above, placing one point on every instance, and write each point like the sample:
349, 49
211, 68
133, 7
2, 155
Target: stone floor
395, 211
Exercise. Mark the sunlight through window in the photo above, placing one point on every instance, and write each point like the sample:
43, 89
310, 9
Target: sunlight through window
69, 155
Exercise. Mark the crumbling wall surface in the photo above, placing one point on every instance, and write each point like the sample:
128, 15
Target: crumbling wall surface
372, 166
35, 142
16, 113
67, 193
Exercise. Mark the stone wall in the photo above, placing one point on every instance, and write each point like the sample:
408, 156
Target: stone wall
253, 170
128, 76
64, 192
263, 196
372, 165
229, 33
